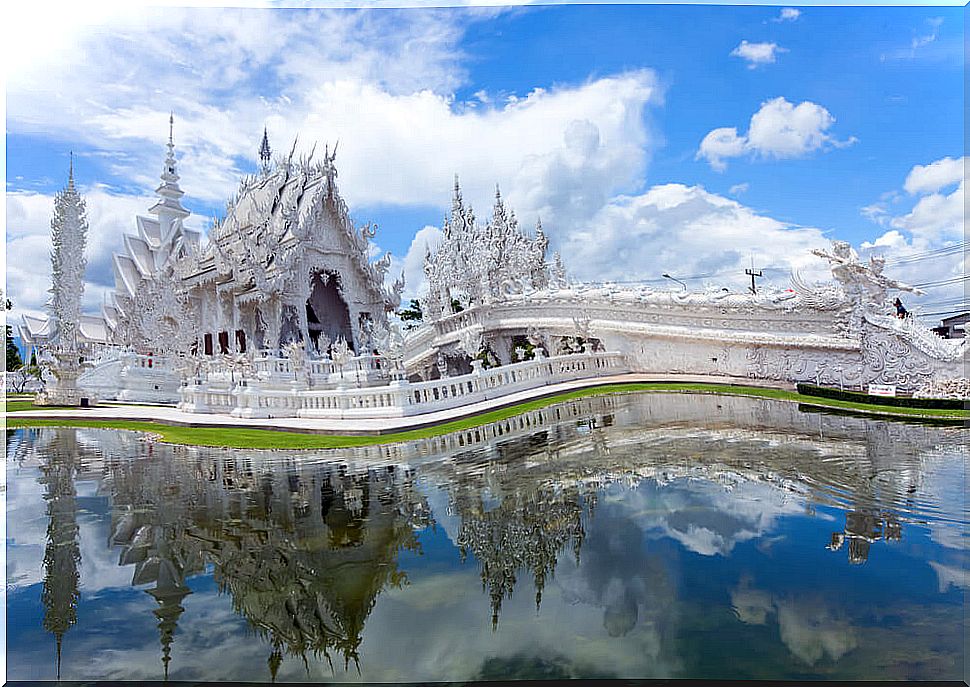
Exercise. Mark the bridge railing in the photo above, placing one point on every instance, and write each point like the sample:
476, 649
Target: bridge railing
249, 398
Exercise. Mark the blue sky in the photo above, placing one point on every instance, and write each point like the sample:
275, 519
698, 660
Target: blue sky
834, 122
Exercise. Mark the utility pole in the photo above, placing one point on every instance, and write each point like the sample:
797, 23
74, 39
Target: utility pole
751, 273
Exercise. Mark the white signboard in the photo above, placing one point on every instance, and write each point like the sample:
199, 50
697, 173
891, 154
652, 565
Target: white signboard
882, 389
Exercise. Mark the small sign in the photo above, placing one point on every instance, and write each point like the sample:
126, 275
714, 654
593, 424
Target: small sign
882, 389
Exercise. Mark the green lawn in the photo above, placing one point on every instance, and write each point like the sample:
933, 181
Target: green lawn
270, 439
27, 403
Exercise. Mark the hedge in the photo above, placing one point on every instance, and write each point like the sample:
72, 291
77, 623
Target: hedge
899, 401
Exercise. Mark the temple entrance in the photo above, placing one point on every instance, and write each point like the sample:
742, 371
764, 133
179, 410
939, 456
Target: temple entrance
327, 312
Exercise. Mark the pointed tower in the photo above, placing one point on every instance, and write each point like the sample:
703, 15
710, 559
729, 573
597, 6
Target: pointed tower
169, 207
69, 228
265, 154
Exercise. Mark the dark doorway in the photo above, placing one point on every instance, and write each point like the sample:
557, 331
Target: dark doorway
327, 312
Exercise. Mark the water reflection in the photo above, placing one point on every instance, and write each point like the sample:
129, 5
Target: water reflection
61, 554
623, 502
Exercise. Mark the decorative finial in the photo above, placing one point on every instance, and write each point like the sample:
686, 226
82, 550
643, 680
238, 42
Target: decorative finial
265, 152
171, 127
70, 172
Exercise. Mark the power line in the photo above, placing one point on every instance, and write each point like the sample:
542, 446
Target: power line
941, 282
943, 312
932, 253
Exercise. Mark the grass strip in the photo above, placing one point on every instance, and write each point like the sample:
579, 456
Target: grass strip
28, 404
226, 437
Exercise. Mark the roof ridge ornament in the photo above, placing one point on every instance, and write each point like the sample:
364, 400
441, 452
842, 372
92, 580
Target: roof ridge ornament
265, 153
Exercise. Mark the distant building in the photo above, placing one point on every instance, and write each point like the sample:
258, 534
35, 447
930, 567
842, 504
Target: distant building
953, 327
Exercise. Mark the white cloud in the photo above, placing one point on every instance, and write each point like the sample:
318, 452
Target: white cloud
720, 144
919, 41
787, 14
684, 230
381, 83
926, 46
778, 129
936, 175
738, 189
936, 220
415, 284
757, 54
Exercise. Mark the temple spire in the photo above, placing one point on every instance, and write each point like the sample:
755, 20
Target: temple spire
69, 229
265, 153
169, 207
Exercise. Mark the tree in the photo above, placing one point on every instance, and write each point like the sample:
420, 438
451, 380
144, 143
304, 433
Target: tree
22, 377
14, 361
411, 314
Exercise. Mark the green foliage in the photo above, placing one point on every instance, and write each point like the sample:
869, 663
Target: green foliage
899, 401
411, 314
14, 360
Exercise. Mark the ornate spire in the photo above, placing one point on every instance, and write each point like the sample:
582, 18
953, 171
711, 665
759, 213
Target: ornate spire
169, 207
69, 228
265, 153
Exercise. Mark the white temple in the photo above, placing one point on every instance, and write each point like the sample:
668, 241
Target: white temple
279, 311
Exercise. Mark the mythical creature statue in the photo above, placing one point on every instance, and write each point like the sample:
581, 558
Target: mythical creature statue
862, 282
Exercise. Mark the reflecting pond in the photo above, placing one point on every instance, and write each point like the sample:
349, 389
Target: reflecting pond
636, 535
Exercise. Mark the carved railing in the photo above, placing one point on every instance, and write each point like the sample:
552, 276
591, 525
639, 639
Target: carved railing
323, 372
397, 399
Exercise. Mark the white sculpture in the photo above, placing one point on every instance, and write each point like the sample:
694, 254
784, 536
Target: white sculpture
862, 282
478, 264
69, 228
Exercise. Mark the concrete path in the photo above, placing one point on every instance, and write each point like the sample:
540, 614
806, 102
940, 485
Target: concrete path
357, 426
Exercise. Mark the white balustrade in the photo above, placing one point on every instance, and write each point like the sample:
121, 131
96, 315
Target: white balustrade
251, 398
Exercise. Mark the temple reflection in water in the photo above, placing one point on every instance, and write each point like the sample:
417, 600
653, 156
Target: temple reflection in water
304, 543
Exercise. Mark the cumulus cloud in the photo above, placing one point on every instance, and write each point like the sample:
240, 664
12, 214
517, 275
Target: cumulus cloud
684, 230
779, 129
720, 144
757, 54
415, 285
936, 175
382, 83
934, 222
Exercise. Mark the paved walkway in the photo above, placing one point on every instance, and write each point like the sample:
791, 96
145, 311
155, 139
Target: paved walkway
373, 426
